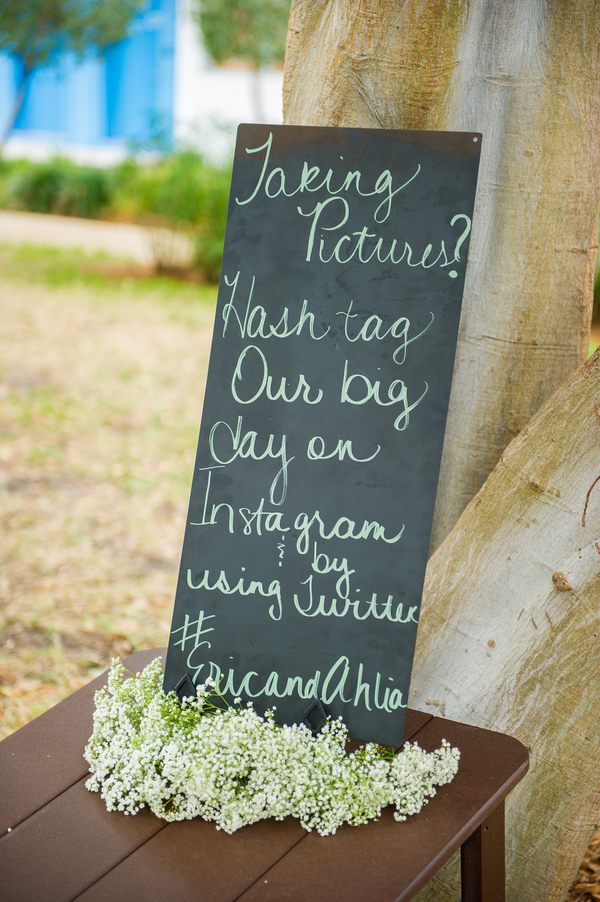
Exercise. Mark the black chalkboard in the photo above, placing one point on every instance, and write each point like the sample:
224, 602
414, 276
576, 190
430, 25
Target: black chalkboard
314, 486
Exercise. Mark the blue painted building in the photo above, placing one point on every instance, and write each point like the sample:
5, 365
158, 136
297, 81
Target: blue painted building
159, 82
126, 94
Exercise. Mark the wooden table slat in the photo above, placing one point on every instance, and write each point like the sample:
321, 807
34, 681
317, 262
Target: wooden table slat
388, 861
415, 721
45, 757
67, 846
192, 860
151, 870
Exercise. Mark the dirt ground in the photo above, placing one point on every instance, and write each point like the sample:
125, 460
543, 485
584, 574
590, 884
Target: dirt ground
101, 386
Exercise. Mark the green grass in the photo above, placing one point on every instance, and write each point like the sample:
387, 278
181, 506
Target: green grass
179, 190
102, 372
57, 268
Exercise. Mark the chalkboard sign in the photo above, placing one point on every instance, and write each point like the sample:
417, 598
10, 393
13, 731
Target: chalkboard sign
315, 481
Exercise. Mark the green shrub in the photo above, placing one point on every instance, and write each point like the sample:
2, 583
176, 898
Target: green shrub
179, 191
35, 186
213, 197
86, 192
57, 186
6, 168
183, 192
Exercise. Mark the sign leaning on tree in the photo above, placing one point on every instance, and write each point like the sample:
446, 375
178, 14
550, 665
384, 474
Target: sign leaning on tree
314, 485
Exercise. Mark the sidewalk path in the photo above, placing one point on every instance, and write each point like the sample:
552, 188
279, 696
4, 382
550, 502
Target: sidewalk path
118, 239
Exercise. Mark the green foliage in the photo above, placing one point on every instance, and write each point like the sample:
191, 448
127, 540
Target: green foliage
86, 193
179, 191
39, 31
183, 192
57, 186
6, 167
210, 230
250, 30
107, 281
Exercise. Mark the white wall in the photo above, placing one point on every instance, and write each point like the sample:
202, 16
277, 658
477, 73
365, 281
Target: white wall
210, 101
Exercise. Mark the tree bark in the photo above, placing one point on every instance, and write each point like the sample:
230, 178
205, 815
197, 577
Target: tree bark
16, 108
258, 109
526, 74
509, 637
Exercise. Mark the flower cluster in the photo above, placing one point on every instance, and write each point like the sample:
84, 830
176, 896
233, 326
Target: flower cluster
228, 764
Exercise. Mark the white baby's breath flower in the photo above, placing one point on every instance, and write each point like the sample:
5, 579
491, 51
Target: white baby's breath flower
234, 767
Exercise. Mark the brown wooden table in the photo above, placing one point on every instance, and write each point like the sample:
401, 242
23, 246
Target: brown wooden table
58, 842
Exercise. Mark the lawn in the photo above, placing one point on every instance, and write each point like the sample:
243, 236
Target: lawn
101, 387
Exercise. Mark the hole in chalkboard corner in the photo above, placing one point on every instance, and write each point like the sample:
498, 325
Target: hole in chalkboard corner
315, 717
475, 140
185, 688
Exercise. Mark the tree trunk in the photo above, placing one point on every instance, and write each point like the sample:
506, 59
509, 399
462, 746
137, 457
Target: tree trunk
258, 110
509, 637
16, 108
525, 73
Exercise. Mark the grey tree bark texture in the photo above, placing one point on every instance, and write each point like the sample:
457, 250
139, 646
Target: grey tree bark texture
509, 635
525, 73
509, 627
